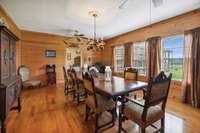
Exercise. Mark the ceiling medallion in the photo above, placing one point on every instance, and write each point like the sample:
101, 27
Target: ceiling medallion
95, 44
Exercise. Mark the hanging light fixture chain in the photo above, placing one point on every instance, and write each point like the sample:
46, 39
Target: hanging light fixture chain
94, 15
95, 43
150, 12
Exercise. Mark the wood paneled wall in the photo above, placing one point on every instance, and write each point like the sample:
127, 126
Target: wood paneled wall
172, 26
33, 47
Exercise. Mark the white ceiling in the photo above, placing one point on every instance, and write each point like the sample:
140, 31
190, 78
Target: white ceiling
56, 16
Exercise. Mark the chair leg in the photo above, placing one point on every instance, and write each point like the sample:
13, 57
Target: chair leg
66, 90
143, 130
96, 122
113, 113
74, 95
86, 113
120, 123
163, 125
135, 96
78, 99
144, 94
19, 104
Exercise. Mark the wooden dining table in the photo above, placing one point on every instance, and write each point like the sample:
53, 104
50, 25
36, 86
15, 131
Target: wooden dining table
116, 87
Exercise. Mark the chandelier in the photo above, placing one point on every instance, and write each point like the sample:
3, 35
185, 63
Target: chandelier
95, 44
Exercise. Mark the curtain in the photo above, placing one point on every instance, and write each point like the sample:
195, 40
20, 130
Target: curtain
195, 78
127, 55
153, 56
191, 82
186, 84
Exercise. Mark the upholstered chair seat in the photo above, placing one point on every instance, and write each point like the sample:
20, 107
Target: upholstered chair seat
103, 103
134, 112
29, 83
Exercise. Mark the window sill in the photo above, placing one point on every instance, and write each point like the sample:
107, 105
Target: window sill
177, 82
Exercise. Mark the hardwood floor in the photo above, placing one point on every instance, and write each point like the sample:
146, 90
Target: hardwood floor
47, 110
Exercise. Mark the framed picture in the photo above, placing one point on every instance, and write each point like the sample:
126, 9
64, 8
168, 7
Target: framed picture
68, 56
50, 53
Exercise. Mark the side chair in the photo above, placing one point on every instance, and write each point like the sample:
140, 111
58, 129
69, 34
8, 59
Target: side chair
151, 109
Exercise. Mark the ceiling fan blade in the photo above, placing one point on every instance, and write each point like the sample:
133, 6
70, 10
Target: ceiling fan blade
122, 4
78, 39
65, 42
81, 35
157, 3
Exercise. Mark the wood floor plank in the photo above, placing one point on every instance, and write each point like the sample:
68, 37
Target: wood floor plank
48, 110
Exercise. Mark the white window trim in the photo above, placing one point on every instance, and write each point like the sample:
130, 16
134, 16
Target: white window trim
132, 48
177, 80
115, 64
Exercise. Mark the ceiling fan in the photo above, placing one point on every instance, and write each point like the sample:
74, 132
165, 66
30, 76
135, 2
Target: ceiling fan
75, 35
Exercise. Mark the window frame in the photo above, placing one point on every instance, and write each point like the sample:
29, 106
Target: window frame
145, 57
162, 39
115, 60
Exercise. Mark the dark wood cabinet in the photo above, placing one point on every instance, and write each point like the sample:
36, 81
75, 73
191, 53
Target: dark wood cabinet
51, 73
10, 83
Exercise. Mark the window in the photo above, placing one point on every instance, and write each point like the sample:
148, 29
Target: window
172, 56
119, 59
138, 60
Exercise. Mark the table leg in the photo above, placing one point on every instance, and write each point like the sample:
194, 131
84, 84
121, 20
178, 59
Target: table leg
121, 112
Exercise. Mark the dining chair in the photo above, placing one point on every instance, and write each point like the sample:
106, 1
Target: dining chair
93, 71
152, 108
131, 74
68, 84
79, 93
97, 104
24, 73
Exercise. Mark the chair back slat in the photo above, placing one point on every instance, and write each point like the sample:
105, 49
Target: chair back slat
72, 74
158, 89
65, 73
131, 74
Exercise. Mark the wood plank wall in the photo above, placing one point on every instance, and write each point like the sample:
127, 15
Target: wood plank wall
172, 26
33, 49
33, 46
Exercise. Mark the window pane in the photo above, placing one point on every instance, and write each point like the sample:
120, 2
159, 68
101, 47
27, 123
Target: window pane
119, 59
172, 56
139, 61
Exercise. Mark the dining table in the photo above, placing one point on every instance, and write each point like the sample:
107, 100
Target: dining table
118, 86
